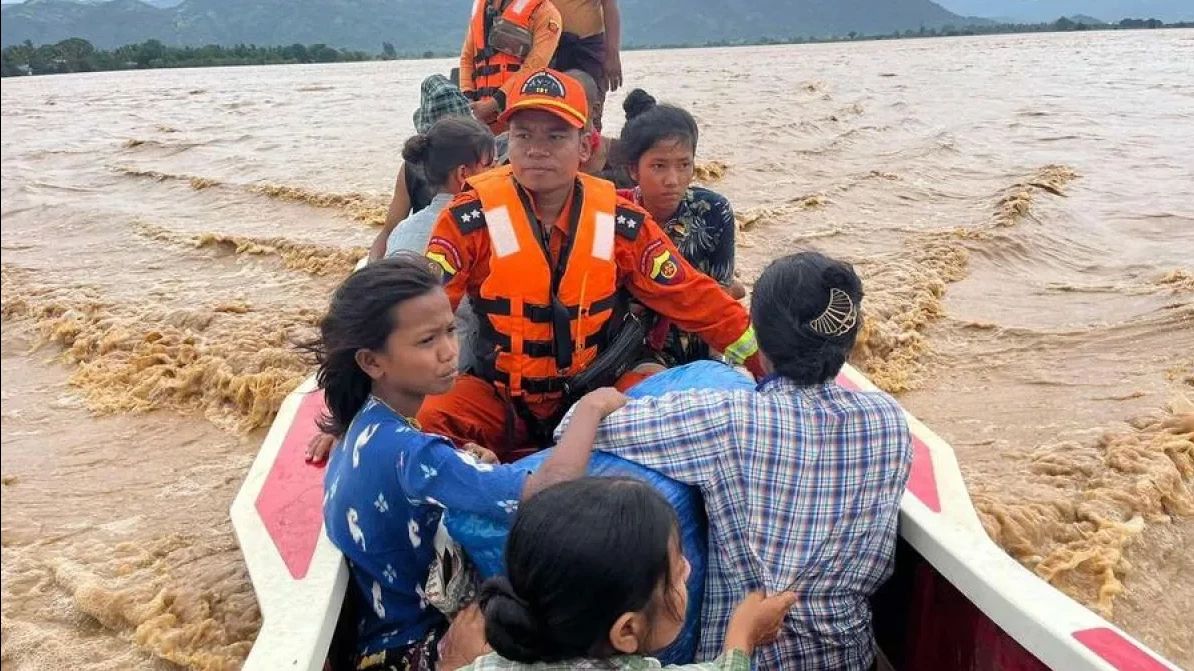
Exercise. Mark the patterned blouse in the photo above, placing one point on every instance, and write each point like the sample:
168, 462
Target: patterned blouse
702, 228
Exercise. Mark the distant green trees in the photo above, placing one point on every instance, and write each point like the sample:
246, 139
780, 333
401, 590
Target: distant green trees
78, 55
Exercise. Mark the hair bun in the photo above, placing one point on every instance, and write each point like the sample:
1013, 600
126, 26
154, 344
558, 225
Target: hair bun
417, 148
514, 631
637, 102
841, 276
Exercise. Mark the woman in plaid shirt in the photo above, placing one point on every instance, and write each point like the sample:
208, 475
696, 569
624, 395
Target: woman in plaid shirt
802, 479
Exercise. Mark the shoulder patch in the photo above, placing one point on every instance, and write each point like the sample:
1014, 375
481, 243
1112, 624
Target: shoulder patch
468, 216
629, 222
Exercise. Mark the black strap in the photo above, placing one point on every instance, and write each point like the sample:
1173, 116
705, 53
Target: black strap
540, 349
539, 314
561, 318
493, 69
533, 385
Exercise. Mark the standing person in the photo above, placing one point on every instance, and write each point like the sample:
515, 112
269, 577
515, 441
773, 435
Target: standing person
438, 99
802, 479
603, 587
543, 253
592, 41
387, 341
503, 38
658, 147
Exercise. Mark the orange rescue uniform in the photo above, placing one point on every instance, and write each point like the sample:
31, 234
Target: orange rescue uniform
486, 73
489, 245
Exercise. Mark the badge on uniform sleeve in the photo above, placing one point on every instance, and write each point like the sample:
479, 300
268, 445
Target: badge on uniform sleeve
445, 255
660, 264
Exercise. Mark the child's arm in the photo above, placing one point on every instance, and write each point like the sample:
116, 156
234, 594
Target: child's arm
756, 621
570, 457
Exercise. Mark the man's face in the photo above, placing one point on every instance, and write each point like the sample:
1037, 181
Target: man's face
545, 151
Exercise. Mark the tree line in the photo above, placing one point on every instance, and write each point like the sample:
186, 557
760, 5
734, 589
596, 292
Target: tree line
79, 55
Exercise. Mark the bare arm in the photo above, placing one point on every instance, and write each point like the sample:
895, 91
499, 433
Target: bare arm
399, 209
613, 45
570, 458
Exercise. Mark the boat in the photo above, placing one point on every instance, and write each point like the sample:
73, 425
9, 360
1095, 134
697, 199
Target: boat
955, 602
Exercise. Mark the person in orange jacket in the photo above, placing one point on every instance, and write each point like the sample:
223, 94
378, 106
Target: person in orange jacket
504, 37
543, 252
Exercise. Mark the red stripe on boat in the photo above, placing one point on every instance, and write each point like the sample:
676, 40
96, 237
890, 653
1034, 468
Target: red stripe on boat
291, 500
844, 381
922, 479
1117, 650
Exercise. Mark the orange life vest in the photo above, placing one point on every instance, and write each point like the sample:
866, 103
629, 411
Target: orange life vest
539, 324
491, 65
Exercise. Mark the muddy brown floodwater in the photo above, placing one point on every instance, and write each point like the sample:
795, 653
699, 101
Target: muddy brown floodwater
1021, 209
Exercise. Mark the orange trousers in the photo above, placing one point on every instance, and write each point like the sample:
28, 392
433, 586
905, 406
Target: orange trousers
474, 411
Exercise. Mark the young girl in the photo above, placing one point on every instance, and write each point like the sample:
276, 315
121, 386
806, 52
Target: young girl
387, 341
802, 478
603, 586
450, 152
658, 147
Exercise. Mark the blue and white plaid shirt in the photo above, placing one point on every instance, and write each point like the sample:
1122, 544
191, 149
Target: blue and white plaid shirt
802, 486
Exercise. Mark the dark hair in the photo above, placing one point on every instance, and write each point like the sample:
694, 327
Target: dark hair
788, 298
581, 554
648, 123
361, 316
448, 144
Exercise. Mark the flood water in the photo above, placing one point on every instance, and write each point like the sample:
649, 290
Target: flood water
1021, 209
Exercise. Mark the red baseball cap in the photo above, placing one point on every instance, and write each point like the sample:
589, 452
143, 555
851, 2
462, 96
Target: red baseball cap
550, 91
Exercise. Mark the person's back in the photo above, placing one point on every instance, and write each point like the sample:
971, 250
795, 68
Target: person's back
802, 479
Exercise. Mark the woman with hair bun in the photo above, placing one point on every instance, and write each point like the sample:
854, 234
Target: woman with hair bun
802, 478
603, 586
658, 148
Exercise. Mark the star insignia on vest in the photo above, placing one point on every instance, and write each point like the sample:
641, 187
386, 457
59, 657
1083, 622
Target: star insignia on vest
468, 216
544, 84
628, 223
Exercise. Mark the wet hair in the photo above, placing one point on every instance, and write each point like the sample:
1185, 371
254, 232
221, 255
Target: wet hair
787, 300
362, 316
648, 123
572, 576
447, 145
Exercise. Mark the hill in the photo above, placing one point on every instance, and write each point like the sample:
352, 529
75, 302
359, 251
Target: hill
414, 26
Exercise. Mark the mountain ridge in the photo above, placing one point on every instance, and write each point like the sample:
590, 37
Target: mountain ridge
415, 26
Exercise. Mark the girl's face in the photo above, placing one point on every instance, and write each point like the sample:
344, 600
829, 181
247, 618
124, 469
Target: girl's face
671, 603
663, 174
420, 355
656, 626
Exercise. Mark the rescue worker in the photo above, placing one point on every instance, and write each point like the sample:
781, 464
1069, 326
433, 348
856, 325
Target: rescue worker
504, 37
542, 252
